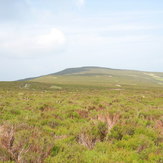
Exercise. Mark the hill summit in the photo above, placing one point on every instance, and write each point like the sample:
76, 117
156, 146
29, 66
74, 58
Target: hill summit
83, 70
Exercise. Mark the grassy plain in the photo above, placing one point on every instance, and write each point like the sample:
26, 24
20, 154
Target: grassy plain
55, 122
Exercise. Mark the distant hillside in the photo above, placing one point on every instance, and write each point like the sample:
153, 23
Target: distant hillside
101, 76
78, 71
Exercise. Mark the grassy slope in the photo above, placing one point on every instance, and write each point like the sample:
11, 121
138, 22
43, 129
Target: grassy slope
102, 77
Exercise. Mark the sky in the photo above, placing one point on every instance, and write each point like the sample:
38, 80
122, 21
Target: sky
39, 37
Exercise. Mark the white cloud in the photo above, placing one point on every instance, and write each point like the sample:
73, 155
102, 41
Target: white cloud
80, 2
26, 44
55, 38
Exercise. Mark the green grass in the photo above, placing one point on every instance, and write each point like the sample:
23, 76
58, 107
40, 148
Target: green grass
80, 119
102, 77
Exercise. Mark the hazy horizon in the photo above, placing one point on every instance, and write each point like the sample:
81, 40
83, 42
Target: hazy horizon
38, 37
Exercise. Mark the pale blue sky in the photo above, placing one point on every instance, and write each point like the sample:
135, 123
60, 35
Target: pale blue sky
44, 36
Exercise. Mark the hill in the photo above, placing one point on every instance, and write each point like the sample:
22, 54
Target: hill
101, 76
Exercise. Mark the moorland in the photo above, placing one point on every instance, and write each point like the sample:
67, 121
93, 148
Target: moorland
83, 115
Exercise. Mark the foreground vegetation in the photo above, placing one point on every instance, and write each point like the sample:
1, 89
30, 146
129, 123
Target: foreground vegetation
80, 124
